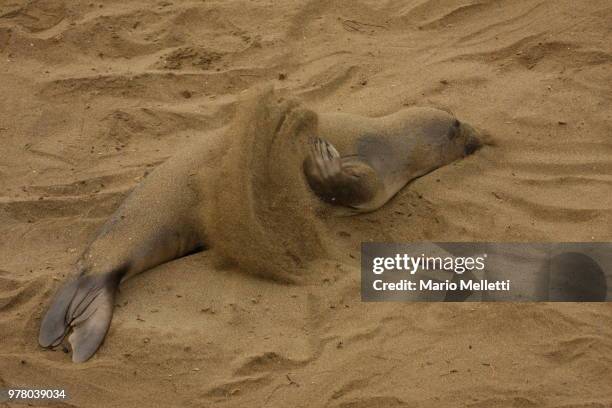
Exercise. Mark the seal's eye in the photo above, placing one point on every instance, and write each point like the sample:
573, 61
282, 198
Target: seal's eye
454, 130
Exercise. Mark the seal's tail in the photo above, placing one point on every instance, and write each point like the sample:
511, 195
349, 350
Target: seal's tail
84, 305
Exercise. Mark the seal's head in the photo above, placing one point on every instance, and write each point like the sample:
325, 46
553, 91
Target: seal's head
465, 137
438, 139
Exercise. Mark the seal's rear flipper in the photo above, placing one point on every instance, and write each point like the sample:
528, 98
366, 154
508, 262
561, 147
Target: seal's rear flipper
85, 305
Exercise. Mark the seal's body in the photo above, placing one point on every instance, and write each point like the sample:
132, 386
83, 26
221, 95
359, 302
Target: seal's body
355, 162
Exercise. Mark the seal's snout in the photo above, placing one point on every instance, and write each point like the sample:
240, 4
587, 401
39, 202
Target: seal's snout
472, 141
472, 144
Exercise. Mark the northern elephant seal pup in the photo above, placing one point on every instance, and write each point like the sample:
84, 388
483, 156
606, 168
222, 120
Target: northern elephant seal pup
266, 161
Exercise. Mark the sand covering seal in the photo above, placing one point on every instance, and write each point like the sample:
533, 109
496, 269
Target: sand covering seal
264, 216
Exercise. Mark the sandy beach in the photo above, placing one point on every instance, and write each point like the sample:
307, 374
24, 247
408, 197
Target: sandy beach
96, 94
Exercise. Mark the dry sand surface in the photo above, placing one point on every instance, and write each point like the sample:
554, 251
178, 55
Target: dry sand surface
95, 94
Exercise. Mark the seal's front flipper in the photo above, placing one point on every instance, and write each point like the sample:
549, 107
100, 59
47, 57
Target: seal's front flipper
347, 181
85, 305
